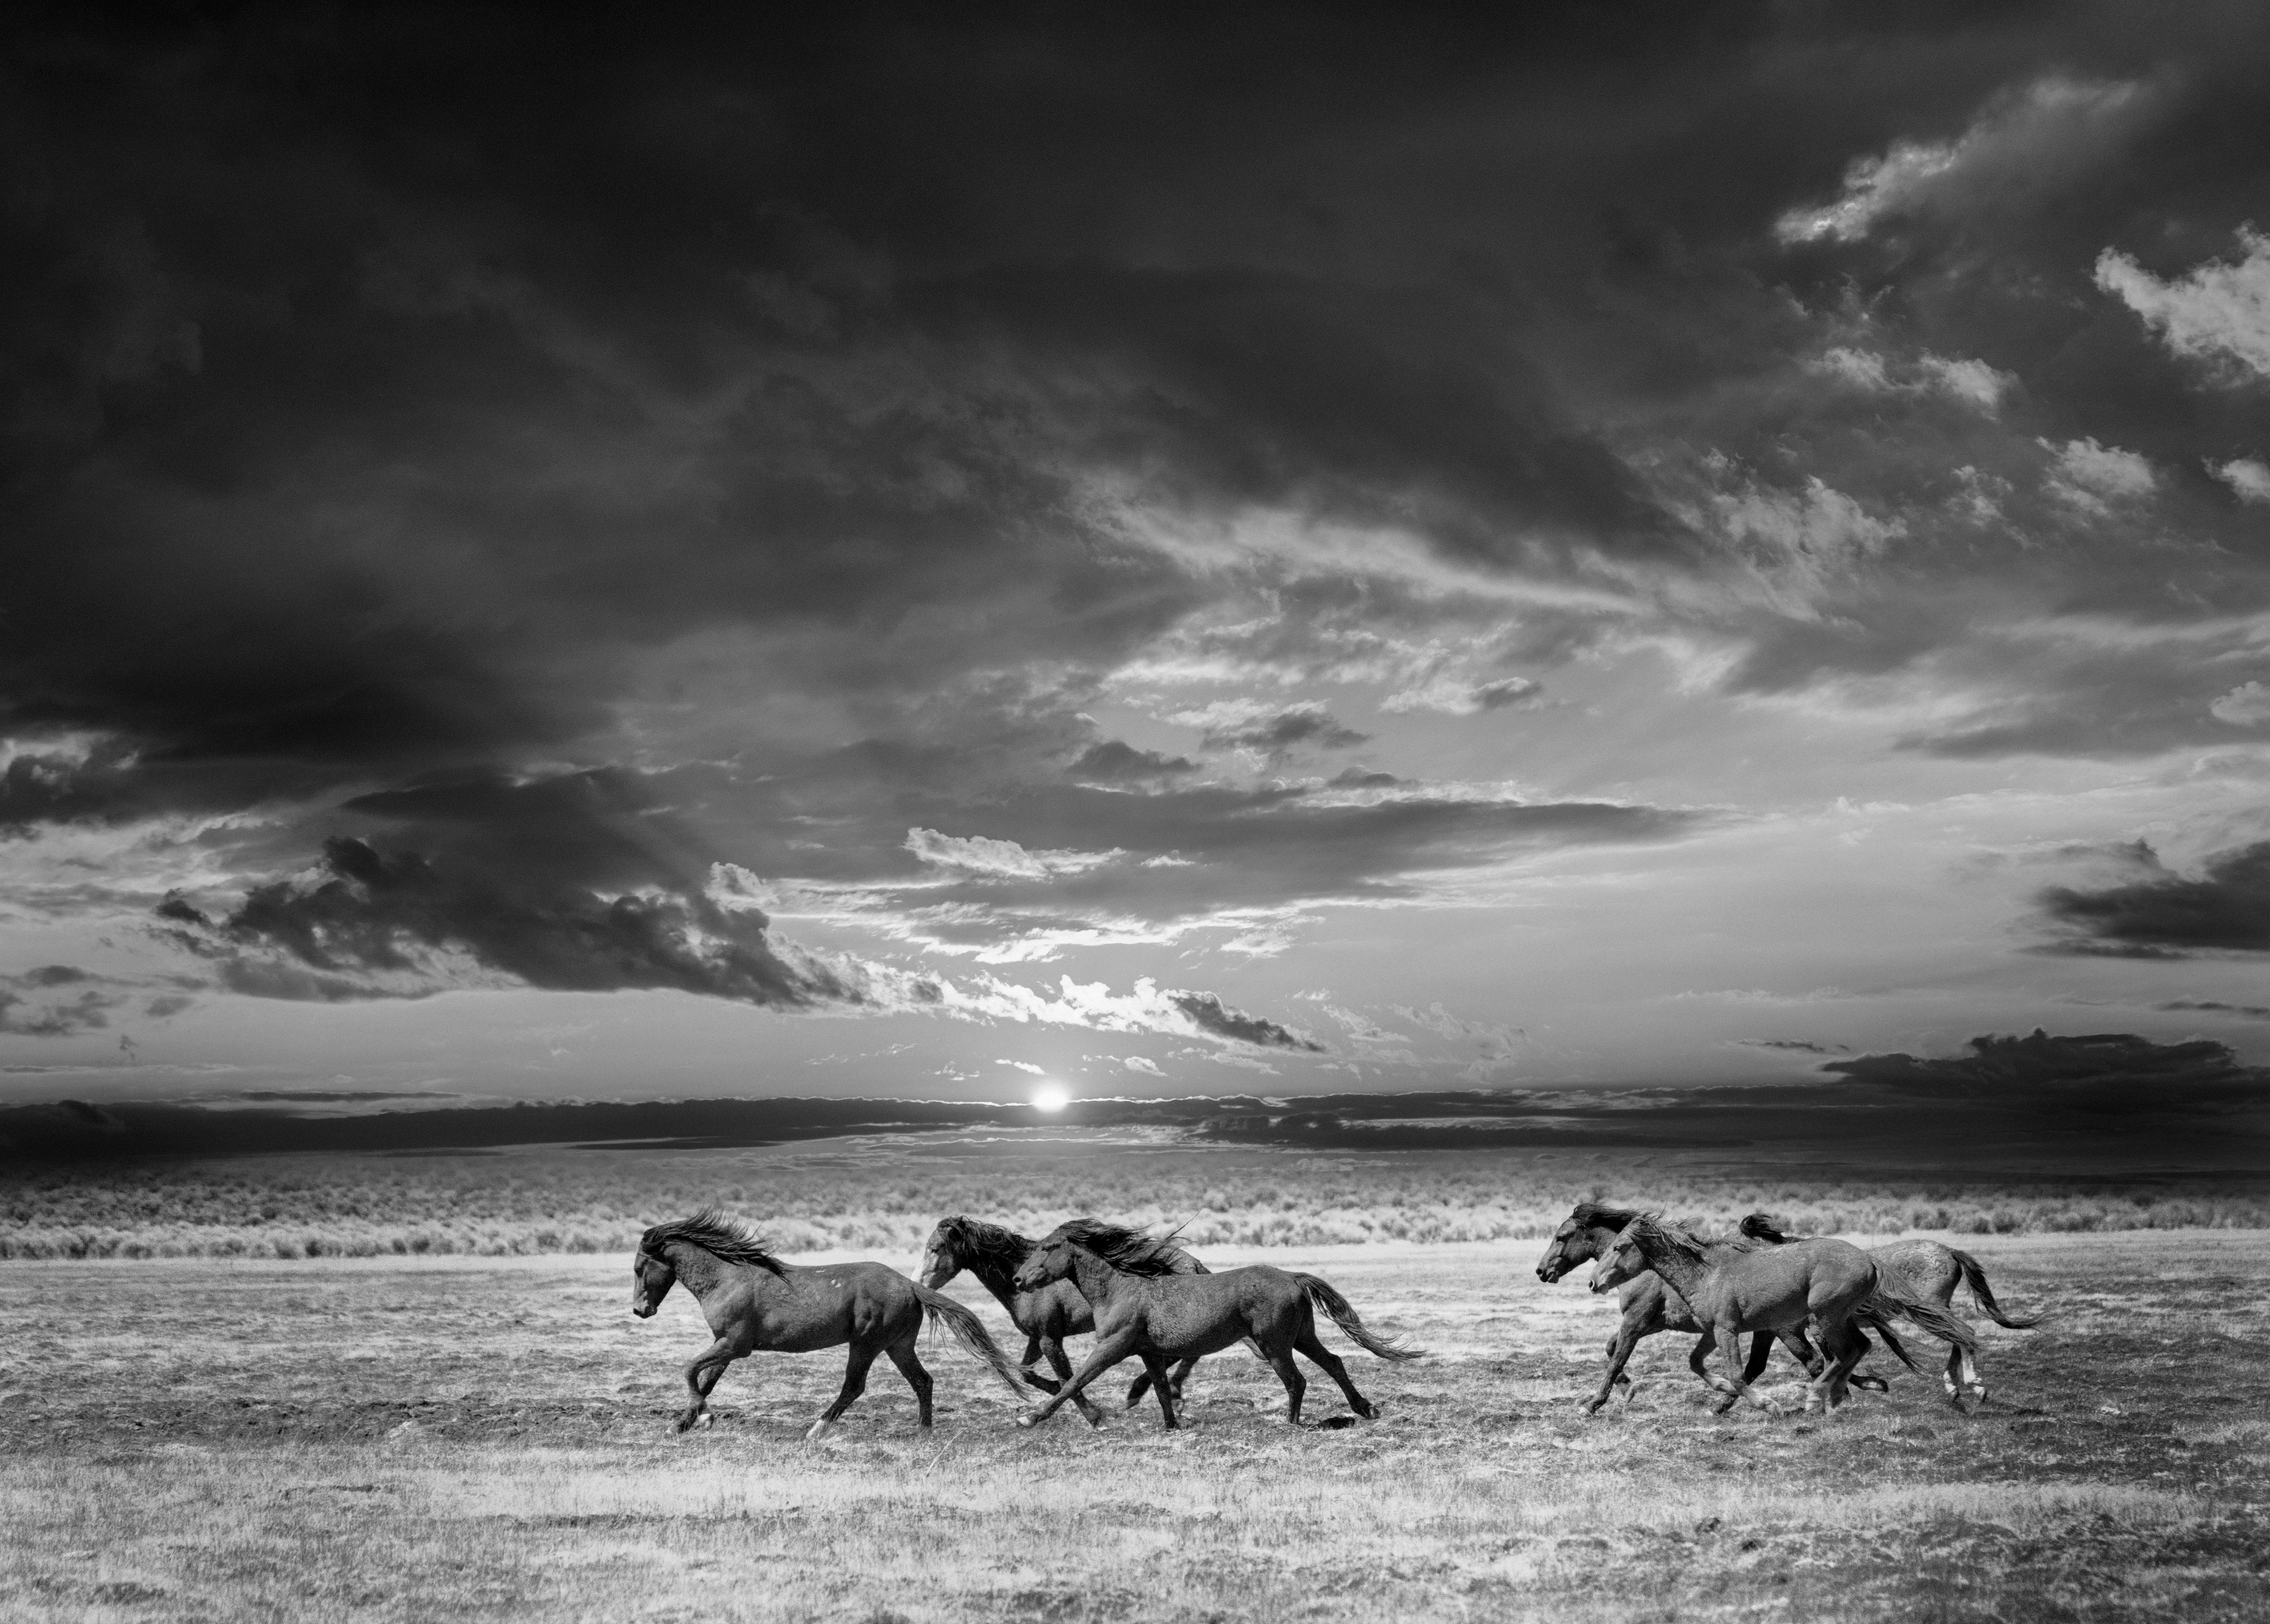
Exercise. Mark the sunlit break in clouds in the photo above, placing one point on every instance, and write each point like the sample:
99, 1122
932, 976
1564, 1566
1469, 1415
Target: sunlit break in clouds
1064, 557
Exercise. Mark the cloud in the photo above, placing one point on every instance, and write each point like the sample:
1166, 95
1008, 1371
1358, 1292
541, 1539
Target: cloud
1246, 724
2054, 125
1974, 382
2245, 476
1456, 697
2105, 1075
978, 855
1209, 1014
567, 881
2245, 706
2218, 313
2091, 477
1116, 762
34, 1004
2227, 908
2252, 1011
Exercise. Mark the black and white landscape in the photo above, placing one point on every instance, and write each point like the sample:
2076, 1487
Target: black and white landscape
1333, 629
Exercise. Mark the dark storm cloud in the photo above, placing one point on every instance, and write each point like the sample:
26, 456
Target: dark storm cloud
571, 882
1212, 1016
2165, 914
1116, 762
1301, 724
406, 407
2104, 1075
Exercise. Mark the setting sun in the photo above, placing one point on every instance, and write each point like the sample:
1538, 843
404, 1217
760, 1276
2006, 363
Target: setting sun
1051, 1097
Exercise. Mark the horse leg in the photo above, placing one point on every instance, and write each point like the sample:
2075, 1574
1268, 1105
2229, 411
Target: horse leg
700, 1376
1697, 1358
1062, 1366
1156, 1367
1619, 1352
854, 1382
1295, 1383
1730, 1341
1182, 1374
1845, 1346
1324, 1360
1033, 1357
1106, 1354
1971, 1379
902, 1355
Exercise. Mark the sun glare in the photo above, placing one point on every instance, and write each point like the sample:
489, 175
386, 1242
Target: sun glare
1051, 1097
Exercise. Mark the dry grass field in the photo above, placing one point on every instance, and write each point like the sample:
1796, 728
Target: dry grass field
488, 1438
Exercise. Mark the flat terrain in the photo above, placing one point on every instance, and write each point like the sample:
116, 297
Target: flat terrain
488, 1438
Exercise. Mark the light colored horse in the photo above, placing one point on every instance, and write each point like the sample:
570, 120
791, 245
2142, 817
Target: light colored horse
1928, 1272
1648, 1306
1832, 1286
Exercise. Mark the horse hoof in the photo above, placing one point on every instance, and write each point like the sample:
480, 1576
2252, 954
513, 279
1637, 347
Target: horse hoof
1369, 1411
819, 1429
1026, 1418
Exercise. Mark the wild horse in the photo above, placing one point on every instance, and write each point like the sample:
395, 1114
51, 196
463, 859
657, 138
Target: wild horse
1050, 1313
1928, 1272
1832, 1286
1650, 1306
1158, 1317
752, 1301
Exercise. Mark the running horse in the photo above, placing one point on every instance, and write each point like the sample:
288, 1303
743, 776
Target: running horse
753, 1301
1648, 1306
1159, 1318
1047, 1314
1831, 1286
1928, 1271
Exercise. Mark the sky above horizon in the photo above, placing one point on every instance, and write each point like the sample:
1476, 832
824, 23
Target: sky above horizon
921, 556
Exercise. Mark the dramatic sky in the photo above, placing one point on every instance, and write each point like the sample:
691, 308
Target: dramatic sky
1259, 550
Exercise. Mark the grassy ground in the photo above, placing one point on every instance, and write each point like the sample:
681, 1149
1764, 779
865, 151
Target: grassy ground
437, 1439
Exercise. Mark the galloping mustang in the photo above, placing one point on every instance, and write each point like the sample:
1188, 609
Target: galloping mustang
752, 1301
1158, 1318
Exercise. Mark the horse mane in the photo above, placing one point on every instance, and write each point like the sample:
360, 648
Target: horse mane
1684, 1241
981, 1243
1758, 1227
1615, 1219
717, 1234
1130, 1251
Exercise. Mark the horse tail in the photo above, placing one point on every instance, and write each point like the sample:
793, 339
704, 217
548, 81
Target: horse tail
1320, 1292
1975, 1278
1875, 1315
1938, 1321
970, 1331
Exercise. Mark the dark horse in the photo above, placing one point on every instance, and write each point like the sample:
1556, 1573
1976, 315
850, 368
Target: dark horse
1927, 1270
1158, 1317
753, 1300
1649, 1305
1050, 1313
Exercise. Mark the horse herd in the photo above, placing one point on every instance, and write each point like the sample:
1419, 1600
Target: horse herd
1145, 1298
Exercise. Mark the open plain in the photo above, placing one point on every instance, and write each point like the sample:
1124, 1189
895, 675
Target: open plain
489, 1438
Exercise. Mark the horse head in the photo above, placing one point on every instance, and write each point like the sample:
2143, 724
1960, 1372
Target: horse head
941, 1258
1050, 1261
1570, 1245
1621, 1261
652, 1275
